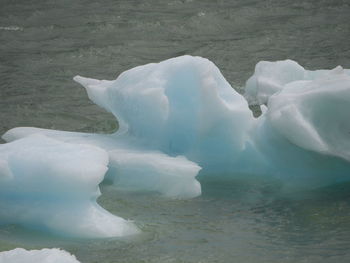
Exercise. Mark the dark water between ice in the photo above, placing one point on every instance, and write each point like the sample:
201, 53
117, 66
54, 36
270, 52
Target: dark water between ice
43, 44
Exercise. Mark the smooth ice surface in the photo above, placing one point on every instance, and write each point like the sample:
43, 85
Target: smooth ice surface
315, 114
51, 185
271, 77
46, 255
309, 108
171, 176
132, 166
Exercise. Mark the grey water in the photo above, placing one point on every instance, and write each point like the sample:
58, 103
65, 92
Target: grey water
43, 44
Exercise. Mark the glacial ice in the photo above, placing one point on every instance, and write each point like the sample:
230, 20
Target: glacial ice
51, 185
46, 255
181, 106
180, 116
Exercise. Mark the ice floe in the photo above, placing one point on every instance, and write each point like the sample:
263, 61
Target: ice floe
179, 117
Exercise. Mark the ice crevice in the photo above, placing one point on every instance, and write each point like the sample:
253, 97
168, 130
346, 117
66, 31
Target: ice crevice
179, 117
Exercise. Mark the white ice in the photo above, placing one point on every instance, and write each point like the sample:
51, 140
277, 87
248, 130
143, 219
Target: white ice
270, 78
131, 166
309, 108
51, 185
46, 255
314, 114
181, 106
181, 115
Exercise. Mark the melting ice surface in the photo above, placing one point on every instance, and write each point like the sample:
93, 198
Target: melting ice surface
181, 116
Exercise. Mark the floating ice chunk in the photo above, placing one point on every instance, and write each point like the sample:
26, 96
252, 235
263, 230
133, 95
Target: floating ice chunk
181, 106
200, 116
270, 78
185, 107
51, 185
46, 255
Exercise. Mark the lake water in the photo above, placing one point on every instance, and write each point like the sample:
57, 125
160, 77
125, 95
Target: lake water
43, 44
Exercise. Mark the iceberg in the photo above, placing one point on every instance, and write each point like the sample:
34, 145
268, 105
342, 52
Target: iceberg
180, 117
179, 107
130, 167
46, 255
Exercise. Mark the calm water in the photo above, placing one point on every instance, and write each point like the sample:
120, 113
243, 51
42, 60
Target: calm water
43, 44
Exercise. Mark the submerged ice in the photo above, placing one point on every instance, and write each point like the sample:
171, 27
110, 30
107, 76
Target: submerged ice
180, 116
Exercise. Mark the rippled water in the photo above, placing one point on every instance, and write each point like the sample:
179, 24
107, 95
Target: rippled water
43, 44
